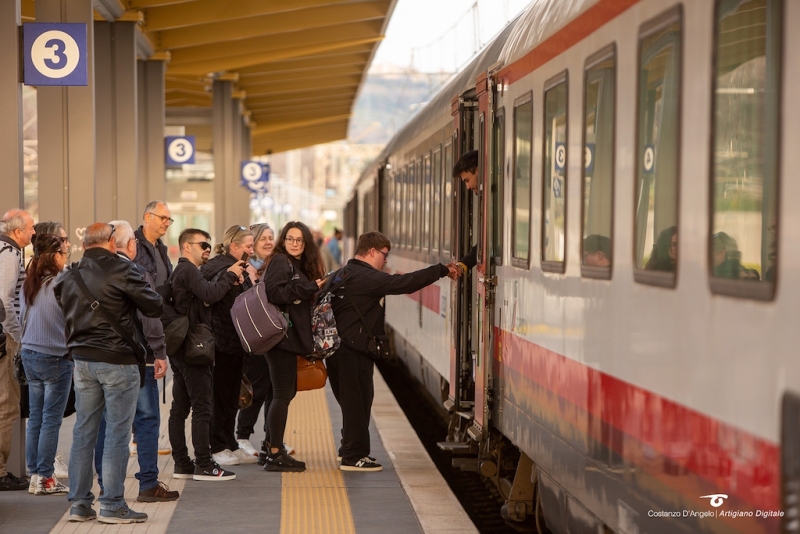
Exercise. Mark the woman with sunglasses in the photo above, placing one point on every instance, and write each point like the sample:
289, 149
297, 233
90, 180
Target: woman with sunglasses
237, 245
293, 276
45, 357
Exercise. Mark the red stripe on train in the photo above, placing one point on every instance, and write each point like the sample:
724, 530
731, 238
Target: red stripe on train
430, 295
728, 457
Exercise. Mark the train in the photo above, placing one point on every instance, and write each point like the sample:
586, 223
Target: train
622, 358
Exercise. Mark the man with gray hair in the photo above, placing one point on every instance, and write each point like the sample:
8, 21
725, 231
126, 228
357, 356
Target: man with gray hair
151, 251
147, 419
16, 231
99, 297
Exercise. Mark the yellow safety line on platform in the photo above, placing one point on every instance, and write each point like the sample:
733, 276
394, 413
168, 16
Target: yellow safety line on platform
316, 500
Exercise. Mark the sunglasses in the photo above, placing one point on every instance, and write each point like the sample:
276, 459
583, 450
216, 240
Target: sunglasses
205, 245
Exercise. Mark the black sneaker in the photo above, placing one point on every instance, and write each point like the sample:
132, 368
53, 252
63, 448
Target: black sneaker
364, 464
184, 471
12, 483
282, 462
212, 472
262, 454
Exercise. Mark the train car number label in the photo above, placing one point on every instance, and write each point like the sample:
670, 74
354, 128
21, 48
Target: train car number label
649, 158
561, 156
179, 149
55, 54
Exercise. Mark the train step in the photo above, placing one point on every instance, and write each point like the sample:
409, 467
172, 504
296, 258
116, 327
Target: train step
454, 447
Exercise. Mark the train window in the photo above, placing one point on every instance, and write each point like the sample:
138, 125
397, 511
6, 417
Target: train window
498, 161
398, 209
437, 199
405, 208
523, 133
598, 163
412, 205
447, 194
743, 245
420, 207
426, 211
554, 173
657, 151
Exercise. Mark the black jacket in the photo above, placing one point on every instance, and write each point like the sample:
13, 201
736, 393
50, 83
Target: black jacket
225, 336
144, 254
121, 289
289, 288
367, 287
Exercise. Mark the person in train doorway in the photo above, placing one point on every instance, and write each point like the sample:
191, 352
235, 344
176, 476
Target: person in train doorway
466, 170
350, 369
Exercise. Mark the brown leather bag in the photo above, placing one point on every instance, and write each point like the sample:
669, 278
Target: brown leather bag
310, 375
245, 393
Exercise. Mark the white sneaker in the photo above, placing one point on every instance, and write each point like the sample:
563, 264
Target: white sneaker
246, 446
133, 449
243, 457
32, 485
226, 457
61, 468
50, 486
289, 449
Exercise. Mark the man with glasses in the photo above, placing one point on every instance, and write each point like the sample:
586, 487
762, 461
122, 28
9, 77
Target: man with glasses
106, 372
350, 368
193, 296
151, 253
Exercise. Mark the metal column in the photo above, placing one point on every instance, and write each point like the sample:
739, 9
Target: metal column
67, 135
11, 163
151, 132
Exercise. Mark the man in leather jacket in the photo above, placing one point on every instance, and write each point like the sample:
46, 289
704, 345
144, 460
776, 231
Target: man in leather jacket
106, 372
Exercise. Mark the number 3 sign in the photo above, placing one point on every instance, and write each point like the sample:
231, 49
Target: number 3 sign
55, 54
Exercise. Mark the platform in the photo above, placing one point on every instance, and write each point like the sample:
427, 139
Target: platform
408, 496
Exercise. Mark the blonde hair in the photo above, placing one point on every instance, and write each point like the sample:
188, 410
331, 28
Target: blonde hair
234, 234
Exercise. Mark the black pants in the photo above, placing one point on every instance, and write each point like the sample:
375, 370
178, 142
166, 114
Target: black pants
227, 383
258, 374
191, 390
283, 373
350, 374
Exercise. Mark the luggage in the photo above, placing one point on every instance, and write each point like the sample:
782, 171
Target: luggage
259, 324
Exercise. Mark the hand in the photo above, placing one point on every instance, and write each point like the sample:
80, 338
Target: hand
160, 369
320, 282
455, 271
237, 268
252, 272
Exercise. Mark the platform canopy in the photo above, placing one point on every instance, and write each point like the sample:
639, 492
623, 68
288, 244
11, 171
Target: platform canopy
297, 64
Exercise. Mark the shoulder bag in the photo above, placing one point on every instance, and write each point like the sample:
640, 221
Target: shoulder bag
198, 346
378, 346
311, 374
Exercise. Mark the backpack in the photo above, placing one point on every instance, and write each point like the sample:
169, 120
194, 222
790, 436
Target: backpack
259, 323
175, 324
324, 332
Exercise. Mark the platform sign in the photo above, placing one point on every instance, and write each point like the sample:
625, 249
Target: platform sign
55, 54
561, 156
649, 158
179, 149
588, 159
255, 176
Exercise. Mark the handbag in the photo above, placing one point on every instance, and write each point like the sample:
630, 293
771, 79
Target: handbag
259, 324
377, 346
245, 393
198, 347
310, 374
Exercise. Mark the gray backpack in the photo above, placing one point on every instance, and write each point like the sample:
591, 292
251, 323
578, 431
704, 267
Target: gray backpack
259, 324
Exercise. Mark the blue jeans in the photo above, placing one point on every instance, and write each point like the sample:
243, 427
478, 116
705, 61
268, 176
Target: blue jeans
49, 378
146, 424
114, 388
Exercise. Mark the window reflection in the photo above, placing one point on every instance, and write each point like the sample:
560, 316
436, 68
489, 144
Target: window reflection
523, 130
554, 175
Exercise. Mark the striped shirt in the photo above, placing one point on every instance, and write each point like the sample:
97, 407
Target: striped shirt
12, 274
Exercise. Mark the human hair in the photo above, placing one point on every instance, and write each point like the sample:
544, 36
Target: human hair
97, 234
258, 230
42, 265
150, 206
659, 259
234, 234
45, 228
310, 261
595, 242
123, 233
371, 240
13, 220
468, 162
189, 233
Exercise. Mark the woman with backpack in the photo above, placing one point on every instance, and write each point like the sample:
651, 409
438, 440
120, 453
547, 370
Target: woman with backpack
229, 356
294, 275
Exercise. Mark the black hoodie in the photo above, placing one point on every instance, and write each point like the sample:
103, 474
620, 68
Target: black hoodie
225, 336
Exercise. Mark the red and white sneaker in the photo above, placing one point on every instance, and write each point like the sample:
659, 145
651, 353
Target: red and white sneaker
50, 486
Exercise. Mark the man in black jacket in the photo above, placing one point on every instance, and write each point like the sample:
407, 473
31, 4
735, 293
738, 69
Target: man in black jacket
151, 253
350, 368
193, 296
106, 371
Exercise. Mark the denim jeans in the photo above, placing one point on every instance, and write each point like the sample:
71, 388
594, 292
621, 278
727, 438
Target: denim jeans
146, 422
49, 378
114, 388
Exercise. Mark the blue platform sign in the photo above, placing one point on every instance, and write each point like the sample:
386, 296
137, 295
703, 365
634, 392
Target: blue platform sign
55, 53
179, 149
588, 159
649, 159
561, 156
255, 176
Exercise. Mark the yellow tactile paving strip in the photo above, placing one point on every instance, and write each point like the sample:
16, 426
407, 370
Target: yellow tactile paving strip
316, 500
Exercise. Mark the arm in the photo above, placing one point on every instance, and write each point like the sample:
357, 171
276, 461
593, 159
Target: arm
147, 301
403, 284
280, 287
154, 334
471, 259
9, 272
208, 291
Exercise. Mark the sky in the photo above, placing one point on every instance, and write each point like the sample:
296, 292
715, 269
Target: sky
441, 35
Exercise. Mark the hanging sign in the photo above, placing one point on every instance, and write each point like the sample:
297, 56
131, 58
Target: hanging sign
55, 54
179, 149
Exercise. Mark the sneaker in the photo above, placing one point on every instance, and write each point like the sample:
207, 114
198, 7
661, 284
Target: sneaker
364, 464
121, 516
81, 512
212, 472
244, 457
61, 470
288, 448
262, 454
282, 462
50, 486
225, 457
164, 450
12, 483
246, 446
133, 449
184, 471
158, 493
32, 485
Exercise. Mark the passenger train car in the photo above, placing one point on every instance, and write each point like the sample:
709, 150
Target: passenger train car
624, 356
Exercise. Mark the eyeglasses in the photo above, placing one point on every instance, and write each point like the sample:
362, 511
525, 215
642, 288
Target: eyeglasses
164, 219
205, 245
112, 232
66, 254
298, 240
385, 255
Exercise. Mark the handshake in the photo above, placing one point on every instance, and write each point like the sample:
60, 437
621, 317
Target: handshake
457, 270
